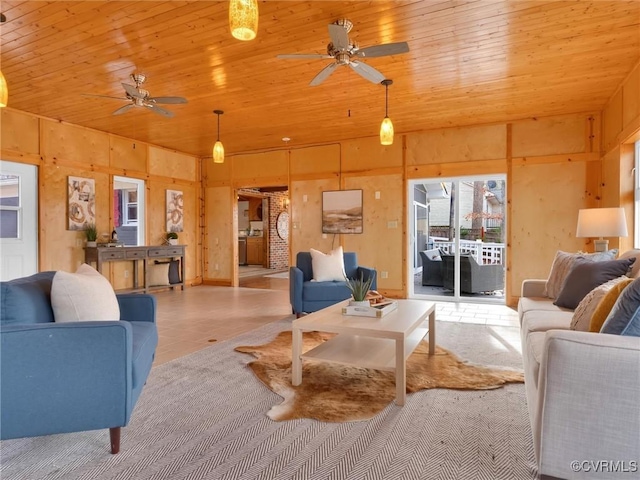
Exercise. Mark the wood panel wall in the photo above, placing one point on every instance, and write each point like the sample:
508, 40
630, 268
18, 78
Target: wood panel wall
554, 166
621, 129
60, 150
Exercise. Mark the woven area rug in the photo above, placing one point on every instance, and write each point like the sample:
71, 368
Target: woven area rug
338, 393
203, 416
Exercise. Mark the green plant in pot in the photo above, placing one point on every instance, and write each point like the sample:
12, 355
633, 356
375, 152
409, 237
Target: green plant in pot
172, 238
359, 288
91, 233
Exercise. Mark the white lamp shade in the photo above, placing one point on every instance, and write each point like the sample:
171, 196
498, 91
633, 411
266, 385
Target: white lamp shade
243, 19
601, 222
386, 132
218, 152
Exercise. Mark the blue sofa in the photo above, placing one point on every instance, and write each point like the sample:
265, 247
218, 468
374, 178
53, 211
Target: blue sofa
307, 296
70, 377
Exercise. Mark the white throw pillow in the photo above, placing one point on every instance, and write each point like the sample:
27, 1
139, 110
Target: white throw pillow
327, 267
84, 295
158, 275
587, 306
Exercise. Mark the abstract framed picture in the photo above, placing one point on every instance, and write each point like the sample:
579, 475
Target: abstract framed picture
342, 211
175, 211
81, 202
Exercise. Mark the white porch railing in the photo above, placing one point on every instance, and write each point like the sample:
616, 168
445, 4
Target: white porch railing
483, 252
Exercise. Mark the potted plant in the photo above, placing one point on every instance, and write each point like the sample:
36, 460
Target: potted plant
91, 233
172, 238
359, 288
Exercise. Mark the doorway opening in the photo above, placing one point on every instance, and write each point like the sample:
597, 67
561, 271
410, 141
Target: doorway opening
263, 244
457, 241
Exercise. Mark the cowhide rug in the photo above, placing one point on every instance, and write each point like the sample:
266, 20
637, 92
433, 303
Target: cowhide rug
338, 393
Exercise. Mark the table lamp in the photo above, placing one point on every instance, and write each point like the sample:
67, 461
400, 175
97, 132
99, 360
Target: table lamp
601, 222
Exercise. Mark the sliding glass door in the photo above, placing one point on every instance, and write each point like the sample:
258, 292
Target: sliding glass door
457, 238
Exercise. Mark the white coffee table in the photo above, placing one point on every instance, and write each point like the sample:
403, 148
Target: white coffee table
380, 343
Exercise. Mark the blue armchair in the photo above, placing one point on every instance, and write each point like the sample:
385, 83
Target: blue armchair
70, 377
307, 296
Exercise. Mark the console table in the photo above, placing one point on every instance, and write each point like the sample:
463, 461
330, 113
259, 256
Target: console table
99, 255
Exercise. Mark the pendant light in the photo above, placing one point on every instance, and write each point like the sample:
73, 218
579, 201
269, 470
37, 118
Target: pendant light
386, 128
218, 148
243, 19
4, 89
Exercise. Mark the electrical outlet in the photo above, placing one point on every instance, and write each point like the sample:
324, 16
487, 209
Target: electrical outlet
78, 242
215, 267
126, 274
377, 195
392, 224
384, 274
217, 241
305, 198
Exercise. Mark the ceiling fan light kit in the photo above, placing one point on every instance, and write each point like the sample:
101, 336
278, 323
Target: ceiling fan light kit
347, 52
386, 128
218, 148
243, 19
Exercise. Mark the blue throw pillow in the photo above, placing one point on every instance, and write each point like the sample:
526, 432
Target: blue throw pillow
624, 318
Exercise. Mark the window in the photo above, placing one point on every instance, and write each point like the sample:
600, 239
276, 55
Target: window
128, 210
9, 206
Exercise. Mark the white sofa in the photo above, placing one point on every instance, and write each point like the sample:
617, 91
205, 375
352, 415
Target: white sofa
583, 393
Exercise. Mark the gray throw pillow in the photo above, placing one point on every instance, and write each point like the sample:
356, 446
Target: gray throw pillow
585, 276
624, 318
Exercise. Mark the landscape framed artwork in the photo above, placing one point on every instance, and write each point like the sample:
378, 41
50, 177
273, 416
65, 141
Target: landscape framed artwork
81, 202
342, 211
175, 211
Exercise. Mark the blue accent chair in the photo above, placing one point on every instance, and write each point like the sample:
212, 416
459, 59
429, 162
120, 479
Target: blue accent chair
70, 377
307, 296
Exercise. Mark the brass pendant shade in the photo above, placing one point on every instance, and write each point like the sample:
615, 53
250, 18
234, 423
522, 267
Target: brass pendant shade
386, 128
4, 91
218, 148
243, 19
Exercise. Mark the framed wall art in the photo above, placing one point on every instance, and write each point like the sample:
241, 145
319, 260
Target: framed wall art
342, 211
175, 211
81, 202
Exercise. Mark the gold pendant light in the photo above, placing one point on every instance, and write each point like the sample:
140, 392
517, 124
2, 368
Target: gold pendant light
4, 91
386, 128
218, 148
243, 19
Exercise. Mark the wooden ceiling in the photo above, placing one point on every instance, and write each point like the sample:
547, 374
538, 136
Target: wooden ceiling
470, 62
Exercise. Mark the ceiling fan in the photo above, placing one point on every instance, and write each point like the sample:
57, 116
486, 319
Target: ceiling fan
139, 97
347, 52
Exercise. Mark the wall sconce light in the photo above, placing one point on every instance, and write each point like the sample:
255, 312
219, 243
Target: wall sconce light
243, 19
285, 202
386, 128
218, 148
601, 222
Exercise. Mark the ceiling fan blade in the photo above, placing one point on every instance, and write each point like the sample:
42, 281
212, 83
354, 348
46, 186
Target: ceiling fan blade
104, 96
159, 110
121, 110
168, 100
324, 73
339, 36
303, 55
384, 49
133, 91
367, 72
